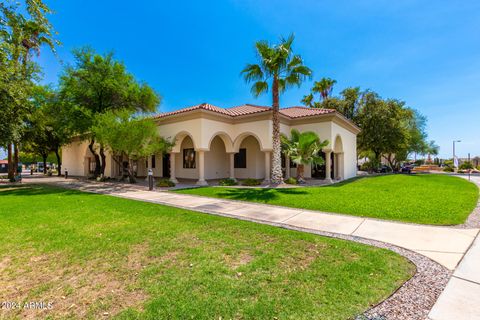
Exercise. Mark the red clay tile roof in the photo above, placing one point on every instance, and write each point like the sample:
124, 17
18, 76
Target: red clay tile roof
3, 161
300, 112
292, 112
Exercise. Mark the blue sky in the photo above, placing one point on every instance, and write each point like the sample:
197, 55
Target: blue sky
424, 52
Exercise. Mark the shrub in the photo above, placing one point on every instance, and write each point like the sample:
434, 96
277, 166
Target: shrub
165, 183
102, 179
448, 169
251, 182
227, 182
291, 180
466, 165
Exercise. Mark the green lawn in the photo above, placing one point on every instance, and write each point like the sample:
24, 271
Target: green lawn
95, 256
426, 199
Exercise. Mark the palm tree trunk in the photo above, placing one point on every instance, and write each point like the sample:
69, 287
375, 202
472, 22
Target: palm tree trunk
277, 175
300, 171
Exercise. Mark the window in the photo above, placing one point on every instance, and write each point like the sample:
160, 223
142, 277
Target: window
153, 161
189, 158
240, 159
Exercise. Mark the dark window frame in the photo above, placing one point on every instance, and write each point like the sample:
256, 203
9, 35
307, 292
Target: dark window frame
192, 164
153, 161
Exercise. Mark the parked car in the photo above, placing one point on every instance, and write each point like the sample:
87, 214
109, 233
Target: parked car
383, 169
407, 168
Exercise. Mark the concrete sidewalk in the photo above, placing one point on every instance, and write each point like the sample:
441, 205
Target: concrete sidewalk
461, 297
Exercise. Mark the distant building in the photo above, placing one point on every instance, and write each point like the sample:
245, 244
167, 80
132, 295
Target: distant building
3, 166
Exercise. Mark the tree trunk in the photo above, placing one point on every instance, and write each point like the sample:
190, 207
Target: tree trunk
11, 172
15, 159
103, 157
44, 157
131, 175
300, 172
97, 158
277, 175
59, 162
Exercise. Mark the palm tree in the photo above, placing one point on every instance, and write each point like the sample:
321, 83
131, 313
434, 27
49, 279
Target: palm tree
432, 149
324, 87
279, 68
303, 148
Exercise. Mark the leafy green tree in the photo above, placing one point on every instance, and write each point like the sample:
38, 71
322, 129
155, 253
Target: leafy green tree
126, 135
96, 84
24, 28
278, 69
303, 148
384, 129
55, 126
37, 136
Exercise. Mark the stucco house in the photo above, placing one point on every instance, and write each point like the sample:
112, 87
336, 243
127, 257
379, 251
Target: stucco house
214, 143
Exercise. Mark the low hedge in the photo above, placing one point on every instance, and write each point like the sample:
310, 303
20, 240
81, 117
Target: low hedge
165, 183
250, 182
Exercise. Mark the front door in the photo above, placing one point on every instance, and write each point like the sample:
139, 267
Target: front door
166, 165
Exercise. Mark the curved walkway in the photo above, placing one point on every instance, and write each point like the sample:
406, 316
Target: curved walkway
461, 297
445, 245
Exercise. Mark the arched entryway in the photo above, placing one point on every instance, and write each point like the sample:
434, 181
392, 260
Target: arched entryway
320, 171
217, 159
338, 159
249, 159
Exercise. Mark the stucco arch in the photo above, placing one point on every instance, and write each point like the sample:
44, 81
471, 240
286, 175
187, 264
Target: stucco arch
179, 138
339, 159
242, 136
338, 144
227, 141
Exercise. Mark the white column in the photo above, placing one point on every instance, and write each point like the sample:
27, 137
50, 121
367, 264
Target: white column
201, 169
328, 166
267, 167
172, 168
341, 167
232, 165
287, 167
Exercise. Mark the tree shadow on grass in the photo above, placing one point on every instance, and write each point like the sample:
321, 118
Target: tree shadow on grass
259, 195
34, 190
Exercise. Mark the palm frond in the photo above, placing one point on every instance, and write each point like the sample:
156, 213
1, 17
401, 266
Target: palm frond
258, 88
252, 72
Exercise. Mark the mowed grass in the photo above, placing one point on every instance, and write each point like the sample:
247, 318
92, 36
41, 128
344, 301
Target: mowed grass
96, 256
426, 199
